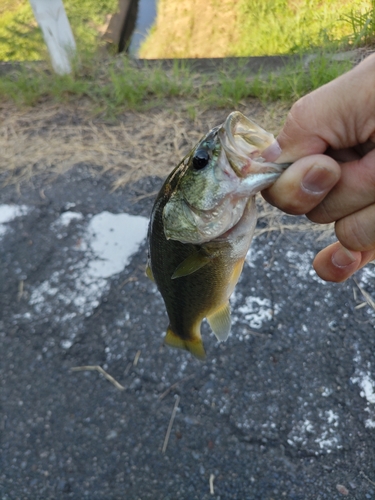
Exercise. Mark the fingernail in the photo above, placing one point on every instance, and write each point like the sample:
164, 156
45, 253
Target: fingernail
272, 152
318, 179
342, 257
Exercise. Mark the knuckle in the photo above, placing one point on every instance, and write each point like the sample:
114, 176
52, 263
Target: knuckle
286, 202
355, 234
296, 207
294, 123
320, 214
300, 109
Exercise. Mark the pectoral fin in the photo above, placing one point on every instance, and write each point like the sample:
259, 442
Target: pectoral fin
194, 346
220, 322
191, 264
149, 272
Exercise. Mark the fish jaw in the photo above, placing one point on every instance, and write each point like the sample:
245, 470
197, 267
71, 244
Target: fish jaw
245, 136
244, 142
256, 182
209, 201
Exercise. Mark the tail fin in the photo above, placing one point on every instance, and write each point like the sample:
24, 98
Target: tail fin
194, 346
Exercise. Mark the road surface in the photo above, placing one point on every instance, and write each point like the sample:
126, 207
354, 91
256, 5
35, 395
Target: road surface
284, 409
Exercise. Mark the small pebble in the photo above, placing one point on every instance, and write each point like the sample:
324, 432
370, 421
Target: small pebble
341, 489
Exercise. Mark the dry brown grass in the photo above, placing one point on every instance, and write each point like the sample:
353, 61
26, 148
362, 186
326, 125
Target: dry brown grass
276, 221
192, 29
49, 141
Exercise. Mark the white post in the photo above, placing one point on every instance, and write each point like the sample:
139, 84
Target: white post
51, 17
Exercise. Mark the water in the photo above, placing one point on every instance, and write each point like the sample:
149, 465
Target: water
145, 19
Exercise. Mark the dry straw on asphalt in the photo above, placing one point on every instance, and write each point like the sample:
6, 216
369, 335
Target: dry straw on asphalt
50, 140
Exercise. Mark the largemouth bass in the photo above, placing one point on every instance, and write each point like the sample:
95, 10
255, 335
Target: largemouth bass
201, 227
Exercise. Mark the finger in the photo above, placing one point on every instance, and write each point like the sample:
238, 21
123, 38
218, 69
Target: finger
336, 263
344, 155
304, 184
354, 191
363, 149
357, 231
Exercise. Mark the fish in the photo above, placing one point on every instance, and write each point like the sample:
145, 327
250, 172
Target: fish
201, 227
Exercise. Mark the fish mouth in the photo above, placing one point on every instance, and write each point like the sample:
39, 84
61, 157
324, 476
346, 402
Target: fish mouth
244, 142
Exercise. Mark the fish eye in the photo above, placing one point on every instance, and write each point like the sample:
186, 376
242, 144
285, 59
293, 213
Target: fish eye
201, 158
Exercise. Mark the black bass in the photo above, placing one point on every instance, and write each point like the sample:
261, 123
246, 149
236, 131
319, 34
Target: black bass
201, 227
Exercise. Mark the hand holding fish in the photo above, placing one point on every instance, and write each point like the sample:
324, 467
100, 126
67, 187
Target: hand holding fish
201, 227
330, 136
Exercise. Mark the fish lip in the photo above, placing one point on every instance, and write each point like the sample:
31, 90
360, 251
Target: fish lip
228, 128
258, 139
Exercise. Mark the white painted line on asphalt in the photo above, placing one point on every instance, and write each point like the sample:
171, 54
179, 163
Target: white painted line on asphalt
9, 213
104, 250
367, 385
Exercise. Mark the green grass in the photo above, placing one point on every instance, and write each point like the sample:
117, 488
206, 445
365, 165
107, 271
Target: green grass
251, 27
261, 26
111, 85
134, 88
285, 27
116, 85
21, 38
298, 79
361, 25
292, 82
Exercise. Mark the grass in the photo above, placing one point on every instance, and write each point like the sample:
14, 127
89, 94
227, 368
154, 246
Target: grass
298, 79
222, 28
48, 140
130, 87
250, 27
113, 86
21, 38
285, 27
362, 26
294, 80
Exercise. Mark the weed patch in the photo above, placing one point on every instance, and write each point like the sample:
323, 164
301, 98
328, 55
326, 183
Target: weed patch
117, 85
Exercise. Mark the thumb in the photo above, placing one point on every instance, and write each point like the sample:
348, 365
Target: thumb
336, 263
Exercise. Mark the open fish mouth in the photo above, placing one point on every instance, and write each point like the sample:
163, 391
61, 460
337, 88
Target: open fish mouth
244, 142
224, 170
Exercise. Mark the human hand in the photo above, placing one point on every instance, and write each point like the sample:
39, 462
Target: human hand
338, 186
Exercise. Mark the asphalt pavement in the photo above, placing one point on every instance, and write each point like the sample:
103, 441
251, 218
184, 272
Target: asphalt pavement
284, 409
